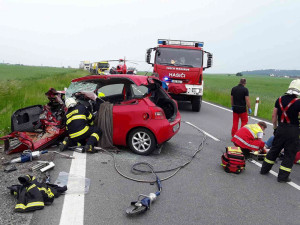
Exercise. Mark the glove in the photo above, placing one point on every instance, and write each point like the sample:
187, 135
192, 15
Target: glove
274, 131
249, 111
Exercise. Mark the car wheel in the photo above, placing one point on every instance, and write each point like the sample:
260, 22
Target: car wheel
141, 141
196, 103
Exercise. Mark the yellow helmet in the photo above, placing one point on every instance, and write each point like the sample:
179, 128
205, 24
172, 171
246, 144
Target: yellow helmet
294, 88
101, 95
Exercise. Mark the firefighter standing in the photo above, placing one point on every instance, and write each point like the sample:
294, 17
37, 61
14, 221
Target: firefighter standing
79, 126
286, 131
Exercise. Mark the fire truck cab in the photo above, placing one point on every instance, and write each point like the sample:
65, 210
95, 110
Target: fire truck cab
180, 64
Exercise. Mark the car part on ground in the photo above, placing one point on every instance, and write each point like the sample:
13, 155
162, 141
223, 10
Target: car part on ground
37, 127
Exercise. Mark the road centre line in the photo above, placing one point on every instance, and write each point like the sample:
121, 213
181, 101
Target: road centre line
229, 110
73, 206
209, 135
276, 174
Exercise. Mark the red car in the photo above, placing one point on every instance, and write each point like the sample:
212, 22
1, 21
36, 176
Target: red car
143, 115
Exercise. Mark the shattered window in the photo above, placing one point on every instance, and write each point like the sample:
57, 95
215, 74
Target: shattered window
80, 86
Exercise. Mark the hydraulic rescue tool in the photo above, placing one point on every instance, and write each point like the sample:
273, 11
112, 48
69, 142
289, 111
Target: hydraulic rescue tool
26, 156
143, 202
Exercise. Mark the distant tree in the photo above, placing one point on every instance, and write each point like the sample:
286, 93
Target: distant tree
239, 74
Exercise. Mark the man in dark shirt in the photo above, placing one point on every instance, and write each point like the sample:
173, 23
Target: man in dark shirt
239, 100
286, 131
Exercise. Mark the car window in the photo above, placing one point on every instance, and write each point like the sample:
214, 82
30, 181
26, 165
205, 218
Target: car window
112, 89
139, 91
80, 86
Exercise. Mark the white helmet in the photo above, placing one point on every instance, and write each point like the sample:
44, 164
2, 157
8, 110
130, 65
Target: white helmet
294, 88
70, 102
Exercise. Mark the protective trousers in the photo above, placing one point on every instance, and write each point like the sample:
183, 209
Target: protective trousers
235, 123
92, 134
287, 137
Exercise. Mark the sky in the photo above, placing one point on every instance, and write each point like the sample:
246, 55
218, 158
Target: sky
241, 34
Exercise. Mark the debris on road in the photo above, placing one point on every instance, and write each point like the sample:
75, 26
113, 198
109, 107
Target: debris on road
32, 195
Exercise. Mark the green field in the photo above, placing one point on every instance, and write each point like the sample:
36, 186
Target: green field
23, 86
217, 88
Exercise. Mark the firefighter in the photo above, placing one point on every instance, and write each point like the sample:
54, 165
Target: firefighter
286, 132
79, 126
249, 138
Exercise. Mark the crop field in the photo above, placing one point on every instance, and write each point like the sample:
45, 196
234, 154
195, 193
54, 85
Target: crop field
23, 86
217, 88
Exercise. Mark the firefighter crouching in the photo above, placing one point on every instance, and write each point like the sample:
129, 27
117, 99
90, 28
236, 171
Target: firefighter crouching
286, 132
79, 127
249, 138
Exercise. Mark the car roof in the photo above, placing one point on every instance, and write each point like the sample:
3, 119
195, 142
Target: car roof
136, 79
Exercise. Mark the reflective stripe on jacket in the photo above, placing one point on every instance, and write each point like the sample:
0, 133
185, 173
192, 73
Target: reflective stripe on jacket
247, 137
255, 130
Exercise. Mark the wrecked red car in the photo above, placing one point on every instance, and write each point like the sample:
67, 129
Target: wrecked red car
131, 110
37, 127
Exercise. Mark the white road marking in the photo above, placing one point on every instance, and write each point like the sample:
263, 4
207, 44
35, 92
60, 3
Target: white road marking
209, 135
229, 110
276, 174
253, 161
73, 208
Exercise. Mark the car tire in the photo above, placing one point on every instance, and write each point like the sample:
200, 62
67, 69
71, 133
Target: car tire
141, 141
196, 103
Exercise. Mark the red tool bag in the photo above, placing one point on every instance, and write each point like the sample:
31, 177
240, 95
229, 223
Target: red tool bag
233, 160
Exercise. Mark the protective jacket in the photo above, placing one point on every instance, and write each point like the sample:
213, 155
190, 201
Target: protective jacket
32, 195
78, 120
248, 136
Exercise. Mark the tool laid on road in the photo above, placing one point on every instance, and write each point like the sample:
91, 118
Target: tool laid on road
40, 165
43, 166
65, 155
26, 156
143, 204
50, 166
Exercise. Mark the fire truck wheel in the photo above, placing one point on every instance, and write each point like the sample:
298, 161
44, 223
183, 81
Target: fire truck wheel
196, 103
141, 141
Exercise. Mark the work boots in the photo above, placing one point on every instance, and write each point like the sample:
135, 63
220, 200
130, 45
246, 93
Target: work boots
89, 149
64, 145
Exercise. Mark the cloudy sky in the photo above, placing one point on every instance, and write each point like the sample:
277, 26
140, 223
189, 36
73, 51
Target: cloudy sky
241, 34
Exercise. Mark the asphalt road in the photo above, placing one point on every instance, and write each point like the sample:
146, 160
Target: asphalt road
200, 193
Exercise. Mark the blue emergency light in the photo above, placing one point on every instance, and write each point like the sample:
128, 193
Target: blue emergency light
180, 42
166, 78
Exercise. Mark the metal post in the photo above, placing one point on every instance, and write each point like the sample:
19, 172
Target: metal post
256, 106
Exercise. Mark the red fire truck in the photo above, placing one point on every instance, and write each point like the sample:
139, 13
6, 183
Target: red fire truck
180, 64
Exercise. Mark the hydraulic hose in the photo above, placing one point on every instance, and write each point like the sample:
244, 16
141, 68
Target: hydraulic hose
176, 169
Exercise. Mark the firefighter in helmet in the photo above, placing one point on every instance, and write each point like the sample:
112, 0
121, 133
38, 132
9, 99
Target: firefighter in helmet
286, 132
79, 122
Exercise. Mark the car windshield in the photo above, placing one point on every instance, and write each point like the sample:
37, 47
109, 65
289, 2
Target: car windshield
103, 65
80, 86
179, 57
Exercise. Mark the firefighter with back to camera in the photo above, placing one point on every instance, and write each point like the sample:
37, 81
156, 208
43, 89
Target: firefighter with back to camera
79, 122
286, 132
